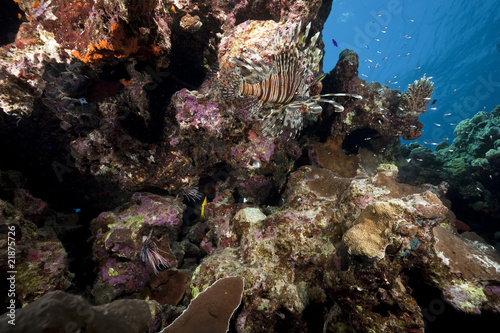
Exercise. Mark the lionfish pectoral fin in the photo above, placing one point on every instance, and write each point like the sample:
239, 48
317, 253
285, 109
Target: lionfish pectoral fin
249, 103
338, 107
229, 88
269, 128
272, 122
343, 94
313, 107
293, 118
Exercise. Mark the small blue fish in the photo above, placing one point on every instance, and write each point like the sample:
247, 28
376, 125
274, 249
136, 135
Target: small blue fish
334, 42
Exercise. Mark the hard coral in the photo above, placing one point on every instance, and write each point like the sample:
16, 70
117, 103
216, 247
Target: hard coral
213, 307
416, 98
373, 230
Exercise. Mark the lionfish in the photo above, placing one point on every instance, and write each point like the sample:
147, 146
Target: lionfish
150, 255
280, 93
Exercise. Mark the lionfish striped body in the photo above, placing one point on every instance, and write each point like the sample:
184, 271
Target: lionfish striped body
280, 92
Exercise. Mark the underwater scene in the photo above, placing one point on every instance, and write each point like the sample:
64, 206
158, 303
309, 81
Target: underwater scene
250, 166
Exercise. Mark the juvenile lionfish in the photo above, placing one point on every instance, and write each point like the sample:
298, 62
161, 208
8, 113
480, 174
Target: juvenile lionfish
280, 93
150, 255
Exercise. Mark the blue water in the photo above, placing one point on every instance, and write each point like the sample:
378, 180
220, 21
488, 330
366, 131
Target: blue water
457, 43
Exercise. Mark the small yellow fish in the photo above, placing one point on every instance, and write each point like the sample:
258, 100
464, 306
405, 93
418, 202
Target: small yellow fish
173, 9
202, 215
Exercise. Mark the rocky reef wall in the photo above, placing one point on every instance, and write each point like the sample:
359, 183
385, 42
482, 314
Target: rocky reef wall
157, 180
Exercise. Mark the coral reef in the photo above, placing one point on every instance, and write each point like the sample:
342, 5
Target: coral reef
29, 243
120, 237
21, 66
305, 233
385, 111
469, 165
473, 157
306, 251
115, 22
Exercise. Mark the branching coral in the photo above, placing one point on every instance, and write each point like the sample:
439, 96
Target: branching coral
416, 98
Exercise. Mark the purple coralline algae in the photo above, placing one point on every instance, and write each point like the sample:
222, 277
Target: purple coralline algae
120, 236
38, 256
193, 115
